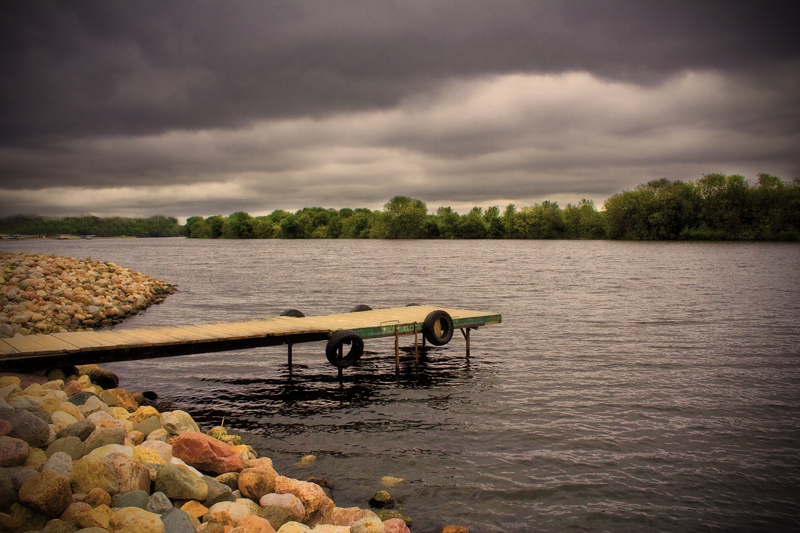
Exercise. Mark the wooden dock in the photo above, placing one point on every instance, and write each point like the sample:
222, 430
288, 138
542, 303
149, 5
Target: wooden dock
58, 350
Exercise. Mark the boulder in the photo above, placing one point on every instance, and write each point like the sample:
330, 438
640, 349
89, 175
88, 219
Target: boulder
180, 483
100, 376
178, 422
90, 472
396, 525
290, 502
97, 497
177, 521
368, 525
59, 463
217, 492
124, 399
72, 446
255, 524
158, 503
81, 430
134, 498
206, 453
132, 475
347, 516
27, 427
47, 492
135, 519
103, 436
311, 494
95, 517
13, 452
226, 513
254, 483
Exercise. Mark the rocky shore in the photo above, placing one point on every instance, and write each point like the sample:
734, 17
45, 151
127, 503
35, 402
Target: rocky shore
48, 294
78, 457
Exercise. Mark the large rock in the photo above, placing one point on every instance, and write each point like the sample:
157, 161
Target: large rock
226, 513
177, 521
178, 422
103, 436
290, 502
347, 516
206, 453
396, 525
72, 446
27, 427
254, 483
124, 399
312, 495
96, 517
134, 498
135, 519
81, 430
90, 472
48, 493
13, 452
368, 525
255, 524
180, 483
59, 463
131, 475
217, 492
100, 376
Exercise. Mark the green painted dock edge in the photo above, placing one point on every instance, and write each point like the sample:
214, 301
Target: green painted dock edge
387, 329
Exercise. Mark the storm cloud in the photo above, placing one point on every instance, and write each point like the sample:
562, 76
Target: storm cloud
200, 108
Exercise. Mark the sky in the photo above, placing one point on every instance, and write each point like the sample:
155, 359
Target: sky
197, 108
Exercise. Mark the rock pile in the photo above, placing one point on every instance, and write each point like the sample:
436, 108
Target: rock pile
77, 457
48, 294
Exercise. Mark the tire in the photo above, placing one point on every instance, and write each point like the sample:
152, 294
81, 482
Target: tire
438, 328
359, 308
293, 312
337, 342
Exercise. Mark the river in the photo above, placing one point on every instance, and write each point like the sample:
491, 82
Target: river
631, 386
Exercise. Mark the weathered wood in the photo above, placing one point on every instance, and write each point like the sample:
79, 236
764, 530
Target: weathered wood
64, 349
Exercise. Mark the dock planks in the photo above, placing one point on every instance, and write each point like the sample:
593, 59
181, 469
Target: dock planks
65, 349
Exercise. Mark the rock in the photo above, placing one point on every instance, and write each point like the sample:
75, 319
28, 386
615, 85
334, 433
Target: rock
62, 420
306, 461
100, 376
178, 422
382, 500
104, 451
206, 453
27, 427
177, 521
124, 399
195, 509
36, 459
98, 496
5, 427
13, 452
80, 398
81, 430
48, 493
277, 516
347, 516
230, 479
395, 525
134, 519
103, 436
158, 503
226, 513
368, 525
8, 492
290, 502
180, 483
57, 525
72, 446
389, 481
164, 449
21, 476
312, 495
90, 472
455, 529
255, 524
59, 463
254, 483
96, 517
134, 498
148, 425
73, 510
327, 528
28, 519
217, 492
132, 476
143, 413
294, 527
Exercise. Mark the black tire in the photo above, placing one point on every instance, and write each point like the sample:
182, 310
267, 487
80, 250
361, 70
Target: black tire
293, 312
334, 351
438, 328
412, 305
359, 308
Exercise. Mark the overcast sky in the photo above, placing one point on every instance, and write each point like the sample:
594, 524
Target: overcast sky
137, 108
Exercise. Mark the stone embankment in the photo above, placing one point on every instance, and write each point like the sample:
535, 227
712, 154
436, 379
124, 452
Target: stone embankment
77, 457
49, 294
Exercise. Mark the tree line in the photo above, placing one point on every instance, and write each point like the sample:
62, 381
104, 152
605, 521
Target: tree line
715, 207
156, 226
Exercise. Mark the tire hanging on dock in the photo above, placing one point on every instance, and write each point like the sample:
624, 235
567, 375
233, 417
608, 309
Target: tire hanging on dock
438, 328
334, 351
293, 313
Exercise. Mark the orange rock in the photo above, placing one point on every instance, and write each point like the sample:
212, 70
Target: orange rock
194, 508
255, 524
206, 453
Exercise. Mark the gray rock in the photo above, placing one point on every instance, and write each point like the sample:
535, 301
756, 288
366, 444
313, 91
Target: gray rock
59, 526
159, 503
79, 398
27, 427
177, 521
103, 436
217, 492
59, 463
133, 498
72, 446
80, 429
180, 483
149, 425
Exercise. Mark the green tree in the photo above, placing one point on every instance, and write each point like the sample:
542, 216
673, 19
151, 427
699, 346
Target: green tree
472, 226
291, 228
405, 218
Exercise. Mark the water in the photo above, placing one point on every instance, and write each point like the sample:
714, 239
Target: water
631, 386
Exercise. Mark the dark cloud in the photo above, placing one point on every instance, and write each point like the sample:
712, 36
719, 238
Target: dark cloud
205, 107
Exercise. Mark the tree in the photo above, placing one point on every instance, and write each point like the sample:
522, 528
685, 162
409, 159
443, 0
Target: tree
291, 228
472, 226
405, 218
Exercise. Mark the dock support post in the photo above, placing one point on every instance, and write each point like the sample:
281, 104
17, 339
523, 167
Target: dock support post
290, 354
396, 348
465, 333
416, 345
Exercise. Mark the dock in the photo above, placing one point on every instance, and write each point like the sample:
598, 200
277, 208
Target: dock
345, 334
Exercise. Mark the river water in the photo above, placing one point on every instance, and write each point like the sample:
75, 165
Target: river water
631, 386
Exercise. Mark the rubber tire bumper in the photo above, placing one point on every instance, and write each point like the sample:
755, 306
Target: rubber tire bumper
438, 328
293, 313
337, 342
